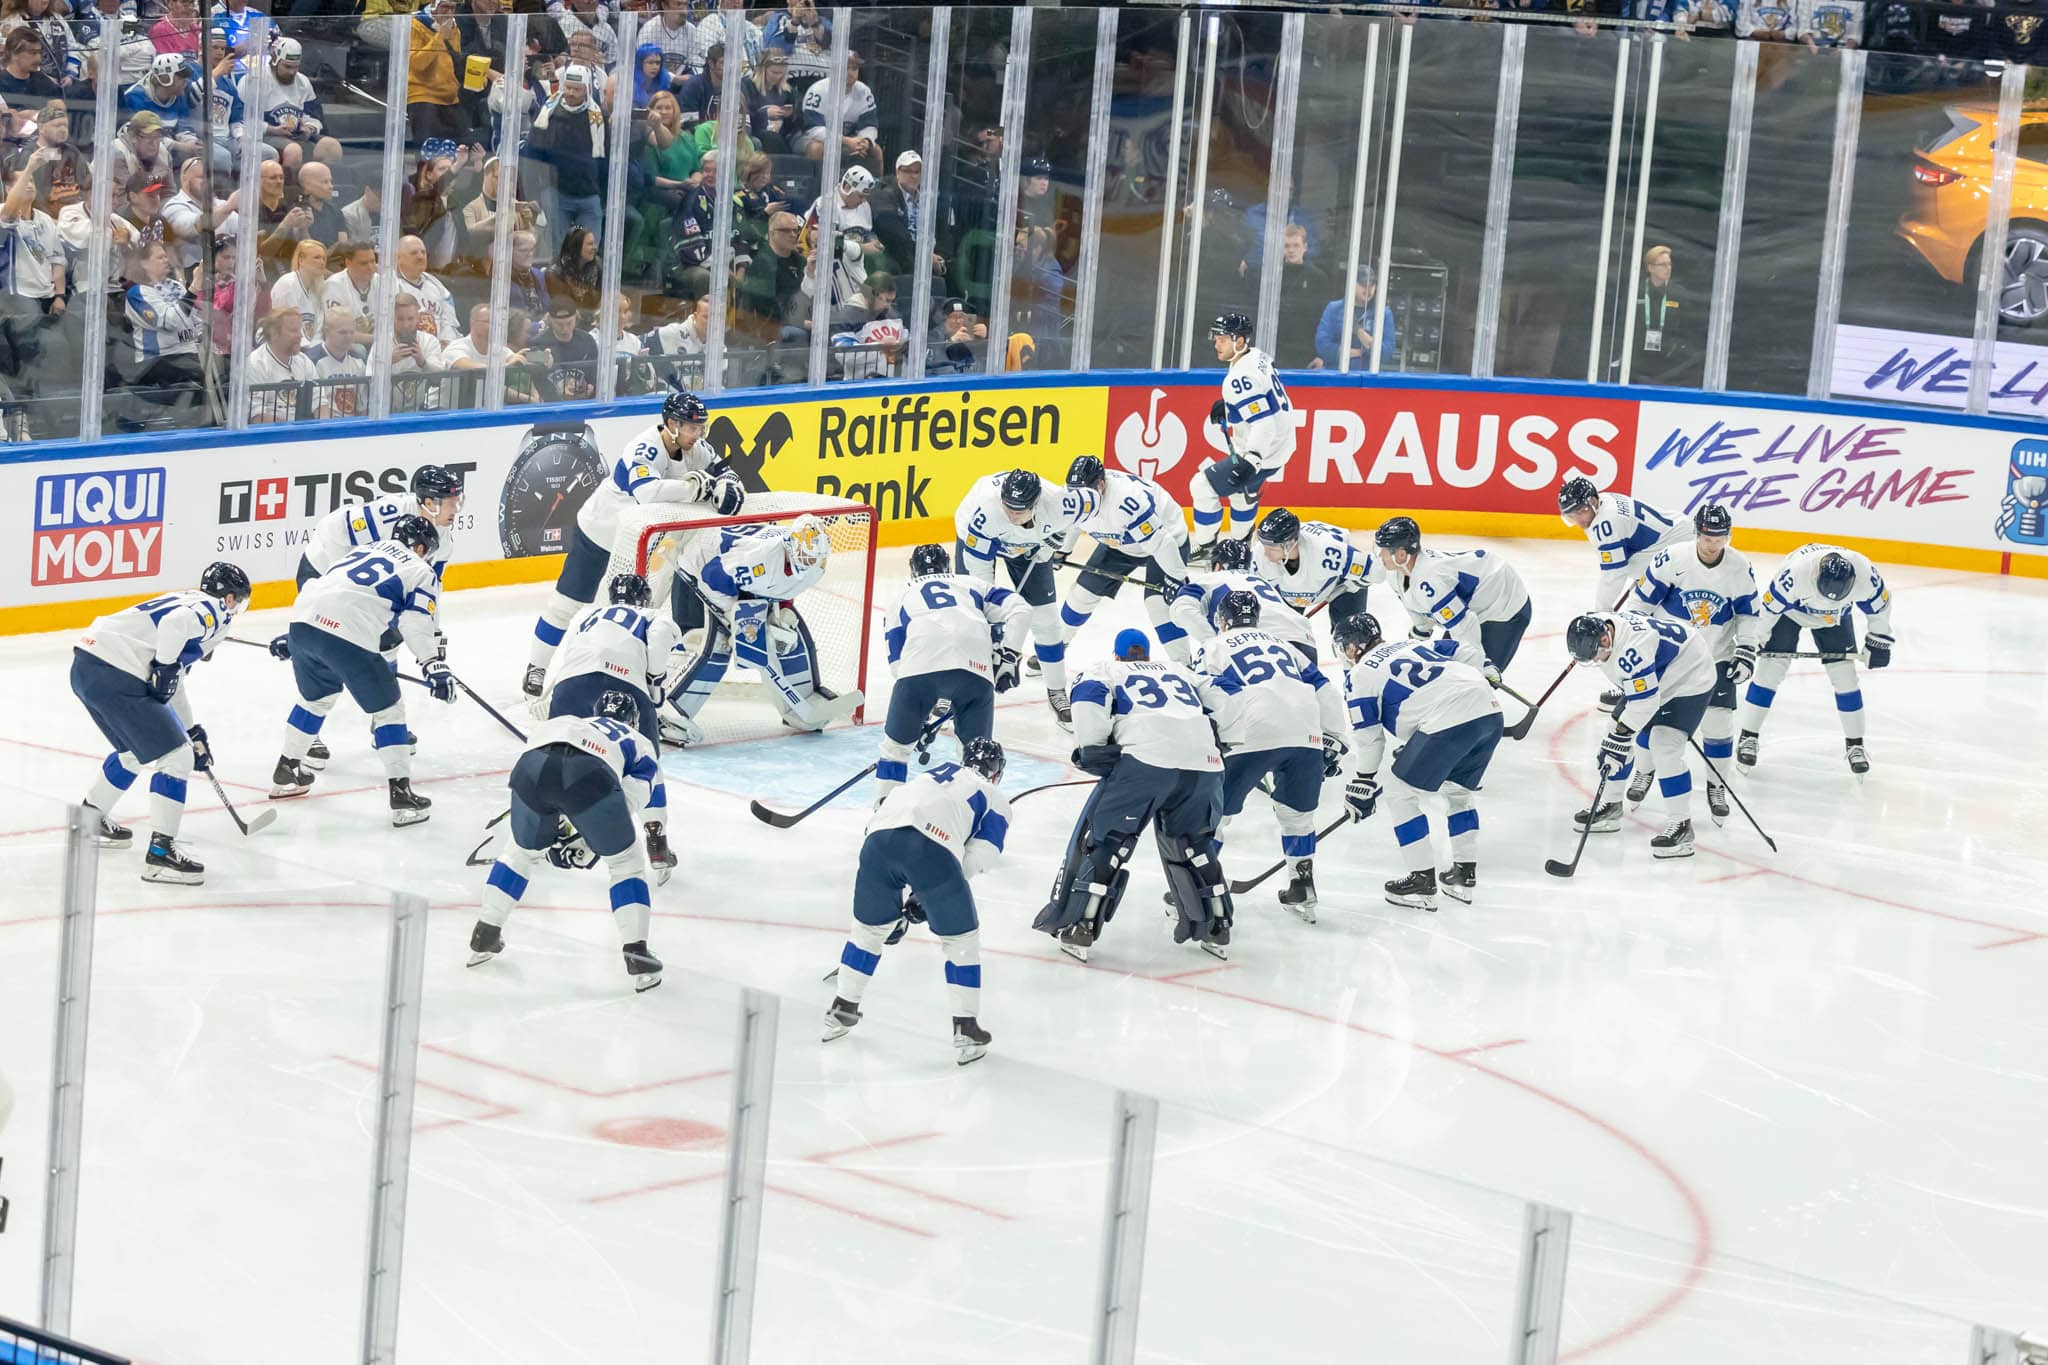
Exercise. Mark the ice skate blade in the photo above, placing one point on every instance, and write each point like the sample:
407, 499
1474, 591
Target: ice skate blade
1413, 903
646, 983
1459, 894
971, 1052
1685, 851
479, 959
834, 1030
171, 876
401, 818
1077, 951
1306, 913
286, 793
1215, 950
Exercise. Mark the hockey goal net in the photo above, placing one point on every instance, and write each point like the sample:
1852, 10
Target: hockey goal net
838, 610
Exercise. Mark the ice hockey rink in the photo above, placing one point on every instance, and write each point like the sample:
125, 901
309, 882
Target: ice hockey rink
1834, 1058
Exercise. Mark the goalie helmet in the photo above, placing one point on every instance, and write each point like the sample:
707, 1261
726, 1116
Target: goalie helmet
1355, 634
1713, 520
1231, 554
630, 589
1585, 637
436, 482
1020, 490
927, 560
1399, 533
223, 579
983, 755
684, 406
416, 533
1279, 527
1576, 492
1837, 575
1238, 610
808, 543
618, 706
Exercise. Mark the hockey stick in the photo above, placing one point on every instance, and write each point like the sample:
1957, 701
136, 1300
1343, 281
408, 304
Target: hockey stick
1558, 869
1239, 888
1859, 656
1520, 729
783, 821
493, 711
1723, 782
1048, 786
266, 817
472, 860
1064, 563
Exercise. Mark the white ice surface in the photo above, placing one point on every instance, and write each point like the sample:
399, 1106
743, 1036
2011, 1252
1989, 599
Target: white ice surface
1834, 1059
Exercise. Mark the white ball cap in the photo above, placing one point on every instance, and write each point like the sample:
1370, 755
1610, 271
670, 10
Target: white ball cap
576, 72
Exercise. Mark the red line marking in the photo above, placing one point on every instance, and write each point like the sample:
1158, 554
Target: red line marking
564, 1086
1199, 971
657, 1188
492, 1109
1477, 1048
869, 1146
75, 753
861, 1214
2010, 942
1736, 876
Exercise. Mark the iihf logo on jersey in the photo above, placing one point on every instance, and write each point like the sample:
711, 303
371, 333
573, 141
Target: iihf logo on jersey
1149, 444
2023, 512
91, 527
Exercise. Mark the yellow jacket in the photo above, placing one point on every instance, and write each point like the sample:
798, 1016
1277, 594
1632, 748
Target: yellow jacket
436, 69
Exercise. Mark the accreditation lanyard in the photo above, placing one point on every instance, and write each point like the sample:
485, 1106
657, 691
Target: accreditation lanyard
1653, 332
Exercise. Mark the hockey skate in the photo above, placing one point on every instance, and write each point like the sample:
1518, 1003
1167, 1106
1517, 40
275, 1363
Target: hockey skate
642, 966
678, 731
1745, 749
166, 864
486, 941
659, 856
1610, 699
840, 1016
1674, 842
1300, 892
1032, 666
536, 678
289, 779
1859, 757
1717, 801
1062, 713
1201, 554
1602, 819
316, 755
408, 807
1458, 881
1639, 785
1416, 891
112, 835
971, 1038
1077, 939
1217, 945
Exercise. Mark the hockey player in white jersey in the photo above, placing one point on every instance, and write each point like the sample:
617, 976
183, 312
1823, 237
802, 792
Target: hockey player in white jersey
1709, 586
332, 644
923, 845
127, 670
1313, 564
1445, 723
579, 790
746, 580
949, 641
621, 647
1627, 532
1818, 589
1278, 716
1665, 674
1139, 726
670, 462
1230, 570
1014, 520
1138, 536
436, 494
1257, 422
1471, 601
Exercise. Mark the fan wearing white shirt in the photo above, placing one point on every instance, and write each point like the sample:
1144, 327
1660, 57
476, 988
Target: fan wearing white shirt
467, 352
413, 352
278, 360
337, 359
303, 288
437, 305
354, 286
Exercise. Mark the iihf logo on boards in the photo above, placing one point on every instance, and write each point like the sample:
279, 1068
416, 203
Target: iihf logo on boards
99, 526
1150, 443
2023, 512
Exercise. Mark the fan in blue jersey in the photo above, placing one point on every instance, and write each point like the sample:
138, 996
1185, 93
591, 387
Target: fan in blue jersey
1276, 716
1138, 534
579, 791
126, 671
1256, 420
1472, 601
1141, 728
1445, 723
924, 843
1818, 590
1313, 565
1194, 607
1014, 520
950, 643
1665, 674
339, 622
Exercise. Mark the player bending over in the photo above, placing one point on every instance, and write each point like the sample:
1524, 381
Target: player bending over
1257, 422
126, 670
1627, 532
1141, 729
1015, 520
1445, 723
623, 647
746, 580
1275, 715
1194, 608
579, 791
1709, 586
949, 643
332, 644
1815, 588
1472, 601
1313, 564
924, 843
436, 495
669, 462
1138, 534
1665, 674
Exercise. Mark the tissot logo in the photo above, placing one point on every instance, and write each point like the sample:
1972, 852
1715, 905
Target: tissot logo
314, 495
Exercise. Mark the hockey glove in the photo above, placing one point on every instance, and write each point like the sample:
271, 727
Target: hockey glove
1219, 413
726, 495
202, 752
163, 681
1422, 632
782, 632
1169, 587
1742, 666
439, 680
1490, 673
281, 647
1242, 471
1333, 755
1097, 759
1009, 668
1362, 797
1617, 752
1879, 648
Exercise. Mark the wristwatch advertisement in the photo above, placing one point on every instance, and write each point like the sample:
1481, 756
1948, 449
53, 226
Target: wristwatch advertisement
557, 466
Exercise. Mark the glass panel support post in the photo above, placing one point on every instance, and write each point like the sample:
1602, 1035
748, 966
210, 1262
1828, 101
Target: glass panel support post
1734, 193
2012, 86
1507, 117
612, 266
392, 190
1169, 211
920, 317
1134, 1136
1198, 191
67, 1066
1827, 308
1349, 285
405, 970
746, 1178
98, 258
1091, 190
730, 96
1279, 183
1016, 85
1631, 269
1596, 360
825, 246
1399, 130
509, 131
1538, 1325
249, 224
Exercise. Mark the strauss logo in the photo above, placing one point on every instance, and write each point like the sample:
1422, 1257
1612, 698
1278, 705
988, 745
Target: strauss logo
1150, 445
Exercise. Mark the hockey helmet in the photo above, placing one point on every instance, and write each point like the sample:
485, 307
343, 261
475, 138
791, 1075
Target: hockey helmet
1232, 325
1576, 492
1133, 645
284, 50
926, 560
983, 755
1355, 634
1585, 637
1035, 165
728, 494
1231, 554
1237, 610
684, 406
630, 589
223, 580
1836, 577
809, 543
1279, 527
1399, 533
1713, 520
618, 706
1084, 472
416, 533
165, 67
1020, 490
436, 482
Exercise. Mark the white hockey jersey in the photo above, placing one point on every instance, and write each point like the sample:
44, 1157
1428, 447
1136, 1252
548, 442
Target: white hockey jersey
1193, 608
1626, 531
985, 530
1793, 592
1402, 687
630, 645
956, 808
1137, 517
1260, 416
370, 591
646, 473
365, 523
1654, 660
1264, 695
746, 562
953, 621
1329, 564
178, 628
1454, 592
1719, 603
1152, 708
629, 754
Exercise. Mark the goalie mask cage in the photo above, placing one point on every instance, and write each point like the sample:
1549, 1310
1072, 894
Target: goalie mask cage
838, 611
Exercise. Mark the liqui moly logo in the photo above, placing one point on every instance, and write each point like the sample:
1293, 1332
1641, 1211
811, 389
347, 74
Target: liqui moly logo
97, 527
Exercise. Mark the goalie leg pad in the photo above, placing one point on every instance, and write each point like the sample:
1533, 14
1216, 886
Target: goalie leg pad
704, 672
1091, 884
1201, 893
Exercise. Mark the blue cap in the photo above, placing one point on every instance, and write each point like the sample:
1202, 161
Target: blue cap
1133, 644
